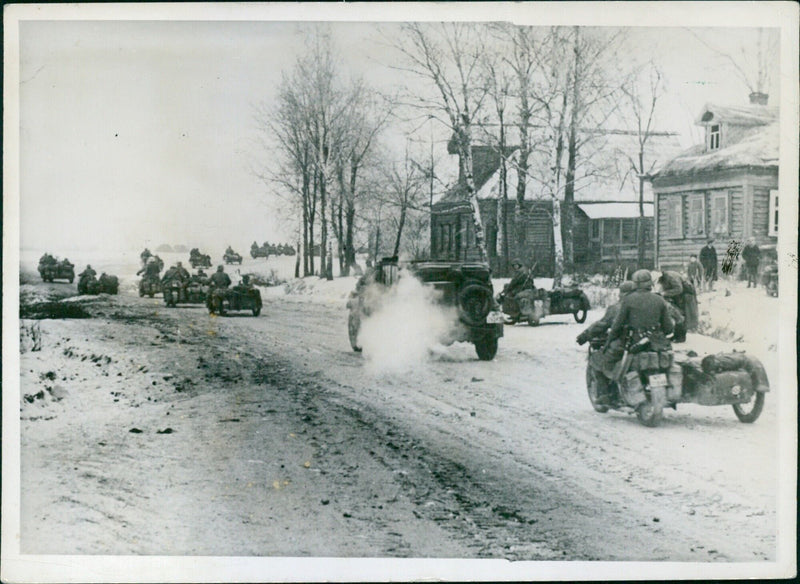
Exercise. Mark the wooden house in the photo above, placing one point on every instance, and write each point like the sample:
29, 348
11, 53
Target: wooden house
605, 212
725, 189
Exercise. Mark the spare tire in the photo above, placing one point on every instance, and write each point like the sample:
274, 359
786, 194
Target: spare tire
474, 303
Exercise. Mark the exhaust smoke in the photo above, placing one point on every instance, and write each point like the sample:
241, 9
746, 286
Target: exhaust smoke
406, 325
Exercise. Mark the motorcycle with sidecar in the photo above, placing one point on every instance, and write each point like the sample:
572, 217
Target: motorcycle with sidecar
533, 304
646, 381
222, 300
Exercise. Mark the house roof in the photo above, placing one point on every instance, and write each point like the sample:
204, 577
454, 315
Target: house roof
758, 148
741, 115
615, 210
607, 176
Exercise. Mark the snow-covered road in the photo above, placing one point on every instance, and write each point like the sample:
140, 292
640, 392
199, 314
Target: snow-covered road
453, 457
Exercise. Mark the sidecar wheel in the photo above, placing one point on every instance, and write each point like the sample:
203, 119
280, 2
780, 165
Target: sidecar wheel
649, 415
591, 388
579, 315
749, 412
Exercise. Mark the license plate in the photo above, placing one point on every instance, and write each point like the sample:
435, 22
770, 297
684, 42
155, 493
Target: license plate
658, 380
495, 317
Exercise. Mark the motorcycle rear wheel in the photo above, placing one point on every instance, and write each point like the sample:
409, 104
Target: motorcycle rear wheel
649, 415
749, 412
591, 388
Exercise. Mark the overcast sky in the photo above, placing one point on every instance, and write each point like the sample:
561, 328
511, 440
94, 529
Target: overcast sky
137, 133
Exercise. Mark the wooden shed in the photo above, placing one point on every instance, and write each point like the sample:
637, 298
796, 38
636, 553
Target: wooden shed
725, 189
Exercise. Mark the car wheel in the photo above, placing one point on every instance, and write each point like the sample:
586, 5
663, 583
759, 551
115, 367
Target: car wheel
749, 412
486, 347
256, 310
579, 315
353, 326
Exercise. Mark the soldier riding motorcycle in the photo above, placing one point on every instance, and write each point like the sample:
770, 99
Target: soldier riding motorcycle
628, 370
518, 295
636, 369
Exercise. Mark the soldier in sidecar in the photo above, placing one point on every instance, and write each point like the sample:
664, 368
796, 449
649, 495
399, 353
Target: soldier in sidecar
522, 301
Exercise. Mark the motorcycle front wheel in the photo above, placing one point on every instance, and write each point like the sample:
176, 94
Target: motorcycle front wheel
592, 386
649, 414
749, 412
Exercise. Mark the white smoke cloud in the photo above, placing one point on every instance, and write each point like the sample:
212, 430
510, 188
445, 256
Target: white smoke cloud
406, 325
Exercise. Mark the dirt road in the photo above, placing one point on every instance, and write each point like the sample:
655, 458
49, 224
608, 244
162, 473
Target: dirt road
169, 431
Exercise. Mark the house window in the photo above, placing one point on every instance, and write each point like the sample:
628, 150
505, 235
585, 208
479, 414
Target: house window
713, 138
719, 214
697, 216
595, 229
611, 231
673, 226
629, 231
772, 227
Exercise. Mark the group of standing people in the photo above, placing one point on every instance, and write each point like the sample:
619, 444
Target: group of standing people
702, 272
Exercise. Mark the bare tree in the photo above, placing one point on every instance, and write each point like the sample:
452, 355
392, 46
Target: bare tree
642, 106
498, 80
753, 62
367, 116
448, 56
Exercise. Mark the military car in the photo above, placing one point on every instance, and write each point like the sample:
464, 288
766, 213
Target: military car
465, 285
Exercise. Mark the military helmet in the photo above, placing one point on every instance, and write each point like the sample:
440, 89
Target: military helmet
642, 279
220, 268
626, 288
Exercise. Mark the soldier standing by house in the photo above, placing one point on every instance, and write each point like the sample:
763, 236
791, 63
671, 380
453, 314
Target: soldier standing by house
708, 259
680, 293
752, 257
694, 271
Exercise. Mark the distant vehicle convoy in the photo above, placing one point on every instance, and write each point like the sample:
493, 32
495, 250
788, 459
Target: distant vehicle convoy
268, 249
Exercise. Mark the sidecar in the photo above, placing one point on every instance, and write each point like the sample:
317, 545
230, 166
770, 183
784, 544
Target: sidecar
234, 299
735, 379
536, 303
